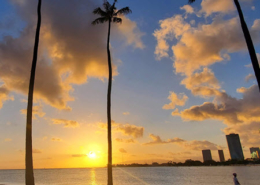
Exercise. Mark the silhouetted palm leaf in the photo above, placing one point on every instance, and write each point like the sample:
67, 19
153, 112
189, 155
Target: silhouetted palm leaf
191, 1
124, 11
107, 6
117, 20
99, 11
99, 20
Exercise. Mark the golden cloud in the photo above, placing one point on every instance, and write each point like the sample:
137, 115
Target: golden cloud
121, 150
126, 129
190, 145
188, 9
4, 95
131, 130
203, 84
66, 123
228, 109
175, 99
56, 139
240, 115
7, 139
248, 133
170, 28
71, 50
194, 48
157, 140
212, 6
125, 140
36, 151
126, 113
37, 111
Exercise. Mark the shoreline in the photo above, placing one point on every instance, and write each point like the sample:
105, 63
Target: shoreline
141, 166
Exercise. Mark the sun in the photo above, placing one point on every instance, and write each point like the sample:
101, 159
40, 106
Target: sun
92, 155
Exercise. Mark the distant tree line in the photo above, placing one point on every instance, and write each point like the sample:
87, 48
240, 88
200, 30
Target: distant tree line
190, 162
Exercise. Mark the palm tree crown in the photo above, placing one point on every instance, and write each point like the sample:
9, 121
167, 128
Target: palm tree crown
191, 1
110, 13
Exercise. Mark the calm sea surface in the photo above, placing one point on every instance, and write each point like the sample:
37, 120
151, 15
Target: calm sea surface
247, 175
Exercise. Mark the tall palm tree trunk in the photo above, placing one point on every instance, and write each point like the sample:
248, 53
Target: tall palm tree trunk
29, 177
109, 135
249, 43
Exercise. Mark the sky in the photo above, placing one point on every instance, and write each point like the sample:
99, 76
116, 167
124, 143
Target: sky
182, 80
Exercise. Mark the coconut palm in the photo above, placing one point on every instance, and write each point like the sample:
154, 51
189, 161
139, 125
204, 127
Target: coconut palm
249, 41
109, 14
29, 177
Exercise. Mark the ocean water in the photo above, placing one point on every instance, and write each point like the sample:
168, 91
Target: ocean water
247, 175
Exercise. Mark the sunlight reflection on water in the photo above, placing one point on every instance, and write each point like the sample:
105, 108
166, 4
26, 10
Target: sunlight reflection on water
93, 177
138, 176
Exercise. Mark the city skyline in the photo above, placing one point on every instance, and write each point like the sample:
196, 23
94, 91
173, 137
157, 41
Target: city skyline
182, 81
235, 147
254, 151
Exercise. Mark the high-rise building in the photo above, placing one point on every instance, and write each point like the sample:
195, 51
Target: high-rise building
206, 155
234, 146
255, 152
221, 156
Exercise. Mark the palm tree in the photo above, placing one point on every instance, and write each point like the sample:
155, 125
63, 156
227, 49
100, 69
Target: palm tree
109, 14
29, 177
249, 42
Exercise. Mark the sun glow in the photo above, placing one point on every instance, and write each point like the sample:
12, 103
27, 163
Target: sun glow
92, 155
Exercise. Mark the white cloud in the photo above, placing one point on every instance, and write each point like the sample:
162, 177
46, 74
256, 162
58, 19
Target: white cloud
249, 77
131, 33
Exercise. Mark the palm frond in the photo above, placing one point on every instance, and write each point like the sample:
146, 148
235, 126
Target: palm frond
99, 20
107, 5
117, 20
124, 11
99, 11
191, 1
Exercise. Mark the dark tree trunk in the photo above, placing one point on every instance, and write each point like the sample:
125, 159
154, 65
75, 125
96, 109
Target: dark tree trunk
29, 177
109, 135
249, 43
